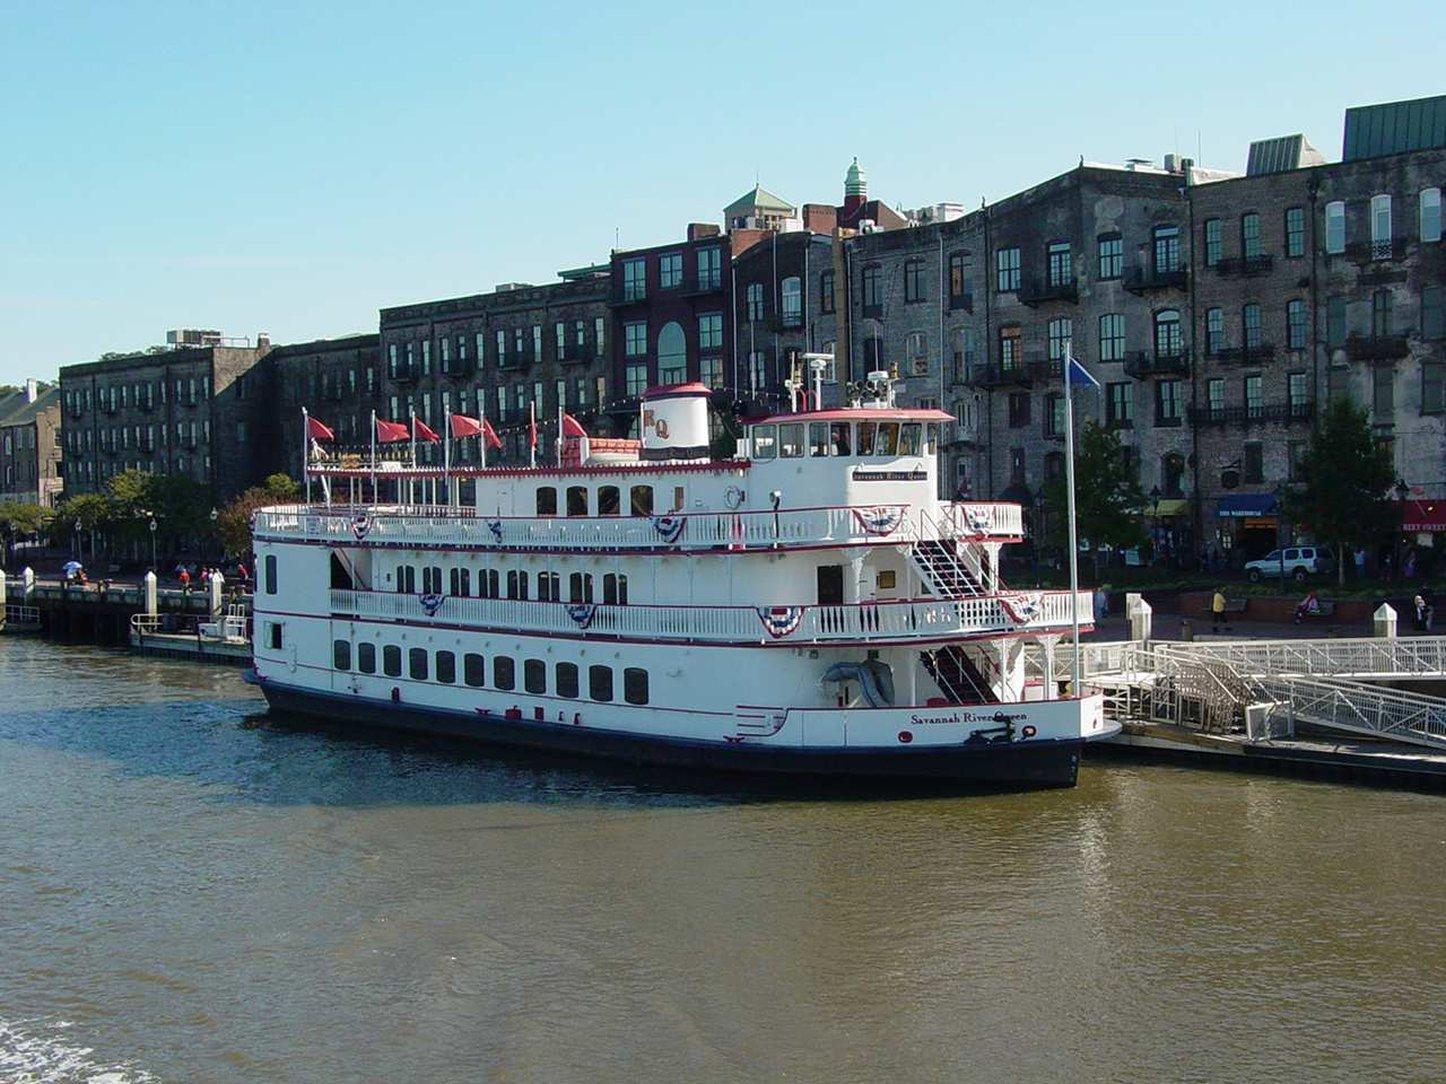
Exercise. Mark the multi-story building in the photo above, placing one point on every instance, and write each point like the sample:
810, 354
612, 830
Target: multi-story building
30, 445
501, 354
168, 412
337, 380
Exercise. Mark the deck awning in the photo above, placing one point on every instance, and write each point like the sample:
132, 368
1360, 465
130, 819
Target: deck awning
1169, 507
1246, 505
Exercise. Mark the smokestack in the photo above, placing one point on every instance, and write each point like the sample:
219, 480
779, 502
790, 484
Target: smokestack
31, 391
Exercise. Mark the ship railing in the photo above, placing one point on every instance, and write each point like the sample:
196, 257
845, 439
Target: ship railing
463, 528
980, 519
907, 620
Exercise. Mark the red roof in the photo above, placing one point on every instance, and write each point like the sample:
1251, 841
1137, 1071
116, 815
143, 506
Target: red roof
861, 414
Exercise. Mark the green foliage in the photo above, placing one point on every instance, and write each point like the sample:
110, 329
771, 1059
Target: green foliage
17, 519
234, 522
180, 507
281, 487
1346, 476
1108, 499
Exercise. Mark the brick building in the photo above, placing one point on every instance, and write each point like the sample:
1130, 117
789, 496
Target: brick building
30, 445
337, 380
168, 412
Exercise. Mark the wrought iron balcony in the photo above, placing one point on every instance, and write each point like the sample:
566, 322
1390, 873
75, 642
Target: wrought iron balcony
1377, 347
1245, 266
1019, 375
1243, 355
1262, 413
1143, 363
1377, 251
1142, 280
1033, 292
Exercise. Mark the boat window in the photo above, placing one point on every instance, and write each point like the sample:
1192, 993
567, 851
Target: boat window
366, 658
392, 660
818, 439
516, 584
579, 587
577, 500
341, 654
600, 683
417, 663
487, 583
790, 440
534, 676
275, 634
406, 579
765, 441
635, 685
642, 500
888, 442
271, 574
867, 432
503, 673
431, 580
615, 589
567, 680
461, 579
474, 670
909, 434
839, 435
549, 586
609, 502
931, 438
546, 501
446, 668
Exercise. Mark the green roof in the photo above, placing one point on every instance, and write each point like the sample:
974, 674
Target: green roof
1394, 127
758, 199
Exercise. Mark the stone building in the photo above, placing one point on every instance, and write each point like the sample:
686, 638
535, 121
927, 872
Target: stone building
500, 354
337, 380
168, 412
30, 445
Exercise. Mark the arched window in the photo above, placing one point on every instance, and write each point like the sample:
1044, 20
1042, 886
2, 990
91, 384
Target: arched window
1167, 334
672, 354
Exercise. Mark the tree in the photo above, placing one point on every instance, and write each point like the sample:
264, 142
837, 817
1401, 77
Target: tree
1345, 476
91, 510
17, 519
1108, 499
234, 522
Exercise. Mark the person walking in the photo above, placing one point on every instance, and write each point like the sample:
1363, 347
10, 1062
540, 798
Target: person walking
185, 578
1217, 609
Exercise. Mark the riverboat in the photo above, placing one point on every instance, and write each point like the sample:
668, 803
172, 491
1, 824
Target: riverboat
807, 605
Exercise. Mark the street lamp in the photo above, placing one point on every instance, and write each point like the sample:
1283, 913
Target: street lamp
152, 527
77, 540
215, 515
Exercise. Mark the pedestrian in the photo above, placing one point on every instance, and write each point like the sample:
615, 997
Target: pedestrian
1217, 609
1102, 604
185, 578
1424, 612
1360, 560
241, 574
1308, 607
1408, 566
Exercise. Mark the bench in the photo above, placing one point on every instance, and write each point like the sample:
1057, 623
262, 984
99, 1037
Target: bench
1327, 610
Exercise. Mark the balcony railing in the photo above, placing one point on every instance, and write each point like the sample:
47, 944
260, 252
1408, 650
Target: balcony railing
1377, 347
869, 621
1141, 280
1144, 363
453, 527
1243, 355
1035, 292
1377, 251
1252, 415
1020, 375
1245, 266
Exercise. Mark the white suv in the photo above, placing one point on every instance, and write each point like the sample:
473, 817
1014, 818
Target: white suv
1298, 562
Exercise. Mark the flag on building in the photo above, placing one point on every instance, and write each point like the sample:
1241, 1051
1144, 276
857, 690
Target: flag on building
316, 431
391, 432
425, 431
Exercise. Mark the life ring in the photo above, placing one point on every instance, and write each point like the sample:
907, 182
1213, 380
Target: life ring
733, 497
661, 428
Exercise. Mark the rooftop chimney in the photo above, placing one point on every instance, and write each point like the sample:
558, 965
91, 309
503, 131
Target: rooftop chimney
263, 341
31, 391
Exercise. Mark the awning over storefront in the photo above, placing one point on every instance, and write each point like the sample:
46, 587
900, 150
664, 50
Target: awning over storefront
1423, 516
1169, 507
1246, 505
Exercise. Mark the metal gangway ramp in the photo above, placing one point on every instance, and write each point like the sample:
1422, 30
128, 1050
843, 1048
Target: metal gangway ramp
1363, 659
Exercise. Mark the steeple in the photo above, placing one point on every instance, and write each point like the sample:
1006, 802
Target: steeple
855, 183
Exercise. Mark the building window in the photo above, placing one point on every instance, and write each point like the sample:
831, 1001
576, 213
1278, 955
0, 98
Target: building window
1212, 242
873, 295
635, 339
672, 354
958, 279
754, 294
1112, 337
1252, 462
1054, 415
1250, 246
1335, 227
615, 589
757, 371
1250, 320
1167, 249
1017, 466
1019, 403
1295, 231
710, 331
1335, 321
1059, 265
1006, 270
1061, 331
1120, 406
710, 371
1167, 402
670, 270
1433, 312
792, 301
913, 280
600, 683
1295, 324
599, 344
1433, 387
710, 268
1215, 395
825, 292
1168, 341
1295, 393
1214, 332
1381, 304
1111, 255
1009, 359
1430, 215
635, 280
1381, 227
1253, 403
1383, 392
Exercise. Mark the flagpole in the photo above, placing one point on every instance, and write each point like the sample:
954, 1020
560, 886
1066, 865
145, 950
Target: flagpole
482, 421
532, 432
447, 456
412, 446
1073, 540
374, 459
306, 451
559, 433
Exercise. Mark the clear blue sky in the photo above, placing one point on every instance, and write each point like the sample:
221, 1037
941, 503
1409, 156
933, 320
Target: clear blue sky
291, 169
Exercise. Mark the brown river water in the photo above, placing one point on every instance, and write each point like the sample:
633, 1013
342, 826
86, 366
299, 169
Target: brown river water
193, 890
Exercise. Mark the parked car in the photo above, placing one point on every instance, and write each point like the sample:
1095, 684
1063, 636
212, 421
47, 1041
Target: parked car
1298, 562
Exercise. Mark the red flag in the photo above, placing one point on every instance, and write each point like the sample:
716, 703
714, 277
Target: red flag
425, 431
316, 431
571, 427
391, 432
532, 432
463, 426
490, 435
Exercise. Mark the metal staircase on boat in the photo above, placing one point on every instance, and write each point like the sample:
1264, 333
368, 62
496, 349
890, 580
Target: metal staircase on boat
945, 569
958, 676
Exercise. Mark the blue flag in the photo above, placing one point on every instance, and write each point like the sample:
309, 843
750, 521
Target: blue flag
1078, 375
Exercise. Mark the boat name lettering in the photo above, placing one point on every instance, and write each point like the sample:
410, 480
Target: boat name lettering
915, 475
965, 717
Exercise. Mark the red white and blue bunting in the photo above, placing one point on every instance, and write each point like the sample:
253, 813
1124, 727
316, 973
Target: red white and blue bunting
670, 528
879, 520
431, 603
780, 620
495, 526
361, 526
582, 613
978, 519
1022, 607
